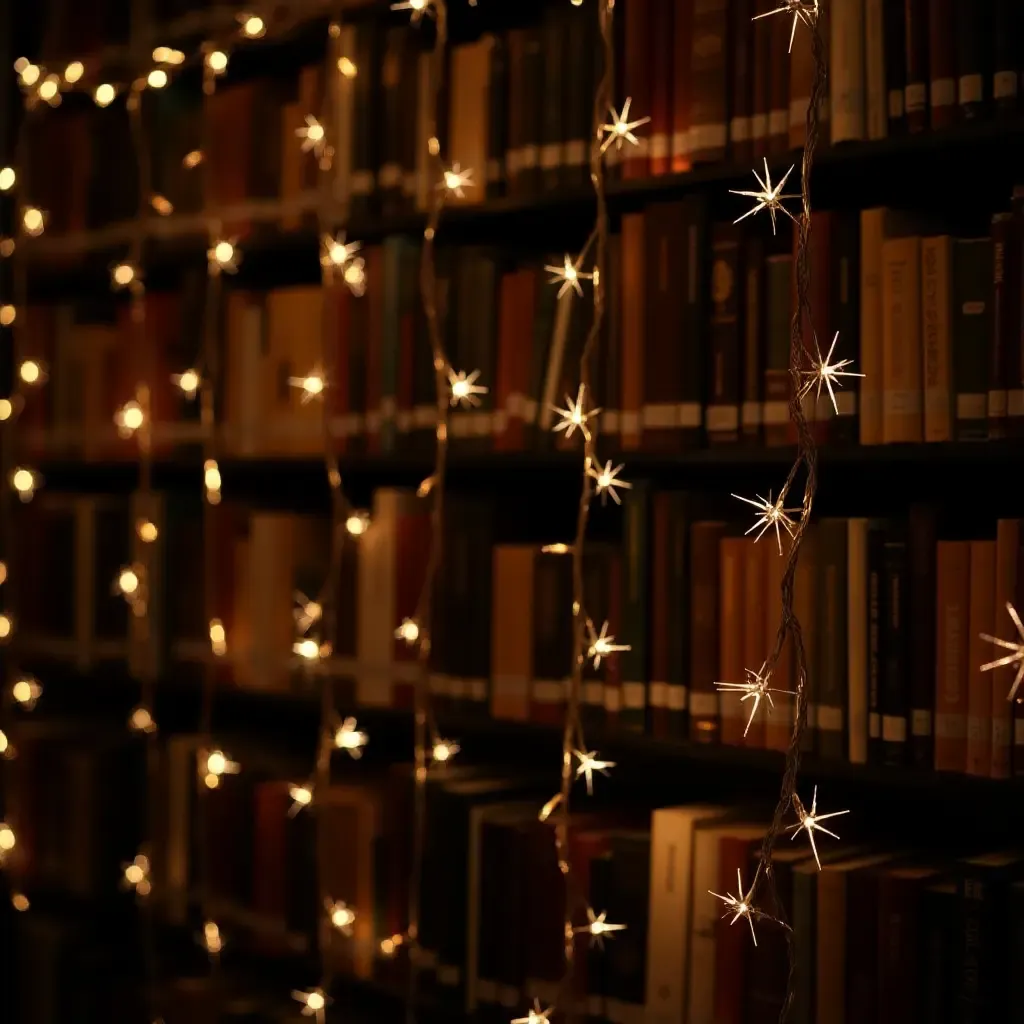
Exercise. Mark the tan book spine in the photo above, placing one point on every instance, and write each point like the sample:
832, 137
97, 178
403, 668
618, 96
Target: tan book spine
1001, 679
511, 632
632, 329
779, 720
936, 319
981, 618
901, 341
871, 326
755, 644
877, 99
857, 639
953, 567
733, 709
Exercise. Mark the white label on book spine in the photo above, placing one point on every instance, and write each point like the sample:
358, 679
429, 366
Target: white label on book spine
759, 126
902, 403
390, 176
680, 144
551, 156
798, 110
634, 696
546, 691
657, 695
458, 687
630, 422
612, 699
689, 414
894, 729
677, 698
660, 147
1000, 732
847, 402
593, 693
739, 129
721, 418
610, 421
478, 690
1004, 85
529, 157
513, 161
943, 92
915, 96
812, 715
660, 416
830, 719
895, 103
703, 705
997, 402
778, 121
971, 88
1018, 732
776, 413
575, 153
499, 422
1015, 403
751, 414
971, 407
921, 722
494, 169
707, 136
874, 725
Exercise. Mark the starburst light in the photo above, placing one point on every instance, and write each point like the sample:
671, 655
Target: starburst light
621, 128
535, 1015
824, 371
602, 644
597, 927
801, 11
1016, 655
769, 198
570, 275
756, 687
738, 905
772, 514
607, 481
809, 822
573, 417
464, 388
589, 763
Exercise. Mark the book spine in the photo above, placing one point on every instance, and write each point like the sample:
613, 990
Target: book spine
972, 334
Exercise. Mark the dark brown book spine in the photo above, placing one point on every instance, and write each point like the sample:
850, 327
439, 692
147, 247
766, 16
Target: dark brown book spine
709, 71
915, 92
1005, 321
896, 64
695, 324
1014, 270
1006, 27
973, 57
554, 45
662, 40
665, 230
754, 323
778, 99
942, 93
778, 281
682, 56
635, 160
761, 87
704, 607
722, 413
741, 140
921, 607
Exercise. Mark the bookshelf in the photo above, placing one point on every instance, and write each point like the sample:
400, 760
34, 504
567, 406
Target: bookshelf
512, 490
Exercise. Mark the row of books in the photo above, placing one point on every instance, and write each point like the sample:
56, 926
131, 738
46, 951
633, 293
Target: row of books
878, 932
517, 106
933, 322
892, 617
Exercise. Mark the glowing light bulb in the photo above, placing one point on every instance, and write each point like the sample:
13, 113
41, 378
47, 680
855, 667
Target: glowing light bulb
7, 315
157, 78
307, 649
342, 916
3, 572
348, 737
5, 626
20, 902
5, 409
49, 88
129, 418
313, 136
346, 67
211, 939
222, 257
25, 482
4, 743
162, 205
136, 875
188, 381
31, 372
312, 385
146, 531
29, 74
217, 61
26, 692
409, 631
73, 72
444, 750
104, 95
192, 159
33, 221
355, 276
302, 796
6, 247
122, 275
141, 720
7, 178
211, 481
252, 26
358, 523
7, 837
218, 638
